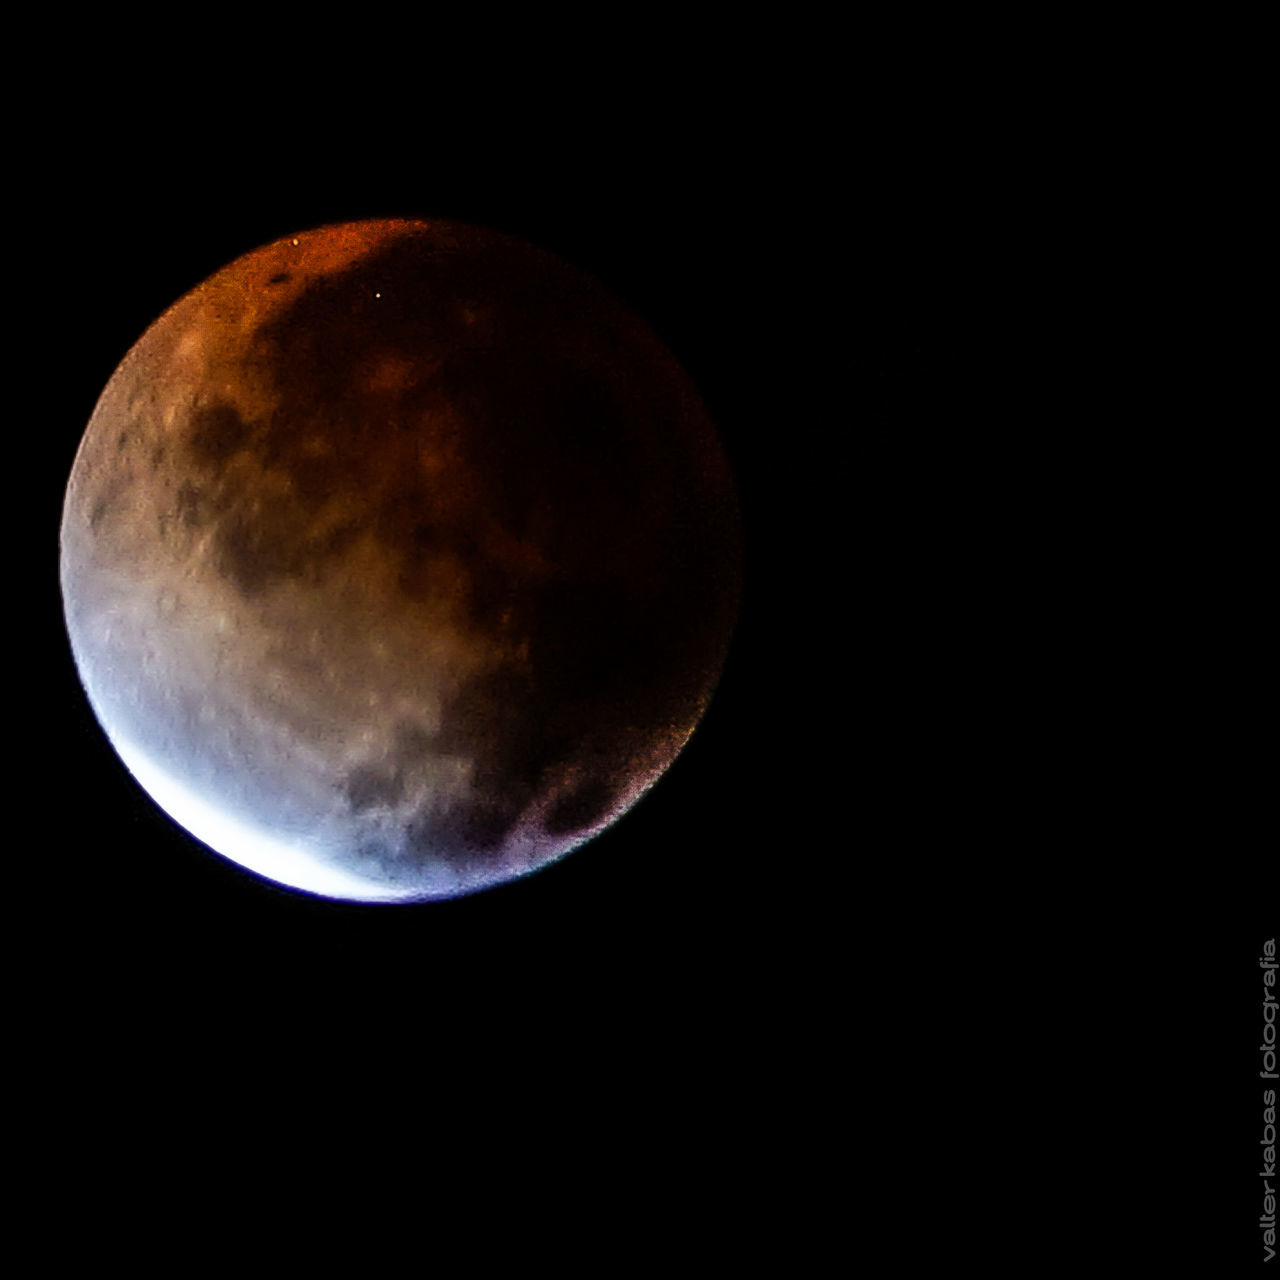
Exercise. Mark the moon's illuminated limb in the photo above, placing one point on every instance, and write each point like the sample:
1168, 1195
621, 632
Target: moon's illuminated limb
293, 863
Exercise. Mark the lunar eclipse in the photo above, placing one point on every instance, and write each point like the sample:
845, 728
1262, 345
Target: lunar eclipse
398, 559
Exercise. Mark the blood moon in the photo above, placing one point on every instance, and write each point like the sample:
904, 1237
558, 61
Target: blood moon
398, 559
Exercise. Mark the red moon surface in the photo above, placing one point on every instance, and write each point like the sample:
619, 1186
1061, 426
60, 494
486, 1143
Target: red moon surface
399, 559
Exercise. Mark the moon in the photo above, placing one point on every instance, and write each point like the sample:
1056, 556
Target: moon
398, 559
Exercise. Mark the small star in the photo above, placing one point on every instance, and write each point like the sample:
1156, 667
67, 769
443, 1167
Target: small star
377, 295
295, 242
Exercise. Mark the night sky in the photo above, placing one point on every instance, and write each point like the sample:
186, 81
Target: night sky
877, 835
809, 357
752, 310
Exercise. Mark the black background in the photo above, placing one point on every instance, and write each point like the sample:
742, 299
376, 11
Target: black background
798, 311
897, 904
